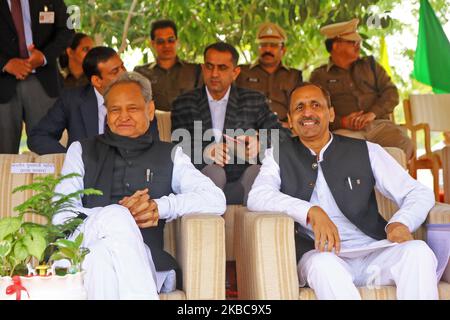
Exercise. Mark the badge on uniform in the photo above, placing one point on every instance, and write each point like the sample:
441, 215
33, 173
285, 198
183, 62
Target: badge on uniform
254, 80
46, 17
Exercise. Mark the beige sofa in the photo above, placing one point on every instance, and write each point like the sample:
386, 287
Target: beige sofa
265, 253
446, 171
197, 241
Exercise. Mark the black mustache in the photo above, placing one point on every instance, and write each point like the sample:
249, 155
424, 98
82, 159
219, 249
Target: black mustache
309, 119
268, 54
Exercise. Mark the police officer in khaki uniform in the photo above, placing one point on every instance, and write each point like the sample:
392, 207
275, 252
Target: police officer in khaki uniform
268, 75
362, 93
168, 75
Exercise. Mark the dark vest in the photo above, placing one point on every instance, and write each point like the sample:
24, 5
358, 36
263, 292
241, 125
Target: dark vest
344, 158
126, 176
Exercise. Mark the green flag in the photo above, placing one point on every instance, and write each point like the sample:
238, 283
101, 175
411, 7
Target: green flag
432, 58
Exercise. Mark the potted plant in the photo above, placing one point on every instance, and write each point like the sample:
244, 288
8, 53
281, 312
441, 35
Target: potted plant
27, 249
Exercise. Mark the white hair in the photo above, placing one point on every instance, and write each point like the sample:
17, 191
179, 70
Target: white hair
133, 77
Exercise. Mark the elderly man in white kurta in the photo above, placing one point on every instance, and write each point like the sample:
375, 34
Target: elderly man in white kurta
326, 183
143, 186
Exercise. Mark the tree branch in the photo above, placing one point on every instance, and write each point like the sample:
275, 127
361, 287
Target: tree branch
126, 27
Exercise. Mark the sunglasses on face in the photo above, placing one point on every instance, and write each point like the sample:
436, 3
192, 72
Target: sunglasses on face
161, 41
351, 42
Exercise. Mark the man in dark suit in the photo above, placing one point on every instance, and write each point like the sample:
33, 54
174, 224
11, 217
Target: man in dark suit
33, 34
80, 111
230, 116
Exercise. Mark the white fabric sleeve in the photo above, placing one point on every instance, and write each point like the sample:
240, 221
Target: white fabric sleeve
194, 192
265, 194
73, 163
413, 198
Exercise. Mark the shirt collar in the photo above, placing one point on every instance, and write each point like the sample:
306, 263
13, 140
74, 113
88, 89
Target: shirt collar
323, 149
100, 99
224, 99
330, 64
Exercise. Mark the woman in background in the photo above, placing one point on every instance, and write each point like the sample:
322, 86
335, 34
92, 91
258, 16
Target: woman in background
71, 61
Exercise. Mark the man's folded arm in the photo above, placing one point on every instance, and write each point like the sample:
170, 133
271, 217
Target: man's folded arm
194, 192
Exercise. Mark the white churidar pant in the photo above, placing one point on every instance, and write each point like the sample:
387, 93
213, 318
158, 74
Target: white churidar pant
411, 266
119, 265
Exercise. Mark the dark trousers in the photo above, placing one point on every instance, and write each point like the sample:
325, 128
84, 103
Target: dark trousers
29, 105
236, 192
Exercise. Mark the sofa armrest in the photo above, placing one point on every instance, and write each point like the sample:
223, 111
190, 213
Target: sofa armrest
439, 214
265, 256
446, 171
201, 255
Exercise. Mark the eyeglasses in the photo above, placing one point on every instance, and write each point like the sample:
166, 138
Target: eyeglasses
351, 42
161, 41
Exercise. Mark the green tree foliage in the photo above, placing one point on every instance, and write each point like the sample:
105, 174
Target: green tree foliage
202, 22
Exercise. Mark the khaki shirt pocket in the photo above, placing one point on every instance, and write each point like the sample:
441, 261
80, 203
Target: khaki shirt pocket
336, 87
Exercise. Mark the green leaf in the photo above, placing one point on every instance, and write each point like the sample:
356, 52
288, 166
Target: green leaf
84, 253
64, 243
79, 240
20, 251
36, 230
68, 253
9, 226
29, 227
57, 256
5, 248
36, 244
70, 225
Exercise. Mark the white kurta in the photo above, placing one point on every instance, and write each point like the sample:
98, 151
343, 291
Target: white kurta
119, 265
413, 199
